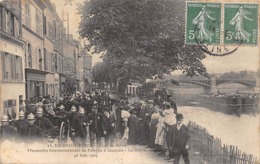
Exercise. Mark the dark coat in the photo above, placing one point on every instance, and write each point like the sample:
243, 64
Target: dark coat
97, 123
79, 126
180, 141
31, 133
132, 124
19, 123
45, 125
7, 132
107, 124
152, 132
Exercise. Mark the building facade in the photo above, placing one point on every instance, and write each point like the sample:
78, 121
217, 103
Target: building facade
53, 50
32, 32
42, 32
12, 79
72, 62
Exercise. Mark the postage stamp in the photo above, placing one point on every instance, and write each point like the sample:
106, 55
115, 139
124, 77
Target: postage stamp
241, 23
203, 23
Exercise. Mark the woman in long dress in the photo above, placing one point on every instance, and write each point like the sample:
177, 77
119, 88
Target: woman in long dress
153, 129
200, 21
238, 21
160, 134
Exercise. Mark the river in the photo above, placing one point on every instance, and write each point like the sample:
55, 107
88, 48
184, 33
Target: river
232, 130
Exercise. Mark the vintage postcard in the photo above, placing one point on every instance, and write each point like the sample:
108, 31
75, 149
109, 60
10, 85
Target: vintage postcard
129, 81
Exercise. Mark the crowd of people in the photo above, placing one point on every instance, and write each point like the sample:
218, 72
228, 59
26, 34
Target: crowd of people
91, 116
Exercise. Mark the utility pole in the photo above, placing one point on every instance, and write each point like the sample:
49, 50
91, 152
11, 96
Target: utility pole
68, 25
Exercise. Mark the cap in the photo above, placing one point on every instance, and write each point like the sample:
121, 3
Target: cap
73, 109
30, 117
81, 110
95, 103
167, 105
179, 116
21, 113
4, 118
62, 107
39, 110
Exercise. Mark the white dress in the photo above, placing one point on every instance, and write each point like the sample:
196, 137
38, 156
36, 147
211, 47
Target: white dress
160, 133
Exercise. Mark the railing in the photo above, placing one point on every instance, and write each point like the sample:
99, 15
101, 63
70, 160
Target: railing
213, 151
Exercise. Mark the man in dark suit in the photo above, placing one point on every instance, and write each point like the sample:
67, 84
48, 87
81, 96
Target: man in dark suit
108, 127
180, 145
95, 125
30, 132
43, 123
79, 127
21, 122
7, 132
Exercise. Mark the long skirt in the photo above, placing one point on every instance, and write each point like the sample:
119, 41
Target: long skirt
152, 135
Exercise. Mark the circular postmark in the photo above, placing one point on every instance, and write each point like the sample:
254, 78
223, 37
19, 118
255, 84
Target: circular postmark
213, 49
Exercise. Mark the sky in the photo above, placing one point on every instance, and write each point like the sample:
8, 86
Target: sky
245, 58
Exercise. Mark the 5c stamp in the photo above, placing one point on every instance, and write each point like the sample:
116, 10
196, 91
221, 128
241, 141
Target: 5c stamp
241, 24
203, 23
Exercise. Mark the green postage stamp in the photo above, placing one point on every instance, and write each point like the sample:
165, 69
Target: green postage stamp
221, 23
203, 23
241, 24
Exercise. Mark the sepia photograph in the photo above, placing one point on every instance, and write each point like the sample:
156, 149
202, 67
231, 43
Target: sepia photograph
129, 81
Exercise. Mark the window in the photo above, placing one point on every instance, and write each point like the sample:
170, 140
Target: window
9, 23
16, 27
45, 59
61, 65
40, 59
56, 63
12, 67
52, 63
4, 19
39, 23
27, 14
54, 31
9, 108
29, 49
25, 58
13, 64
19, 68
44, 25
50, 30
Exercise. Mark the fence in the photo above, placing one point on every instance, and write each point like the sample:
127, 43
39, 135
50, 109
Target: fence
212, 149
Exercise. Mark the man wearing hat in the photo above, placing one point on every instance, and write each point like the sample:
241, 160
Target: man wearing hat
30, 132
21, 122
60, 111
180, 139
79, 127
148, 115
108, 127
44, 123
95, 125
7, 132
